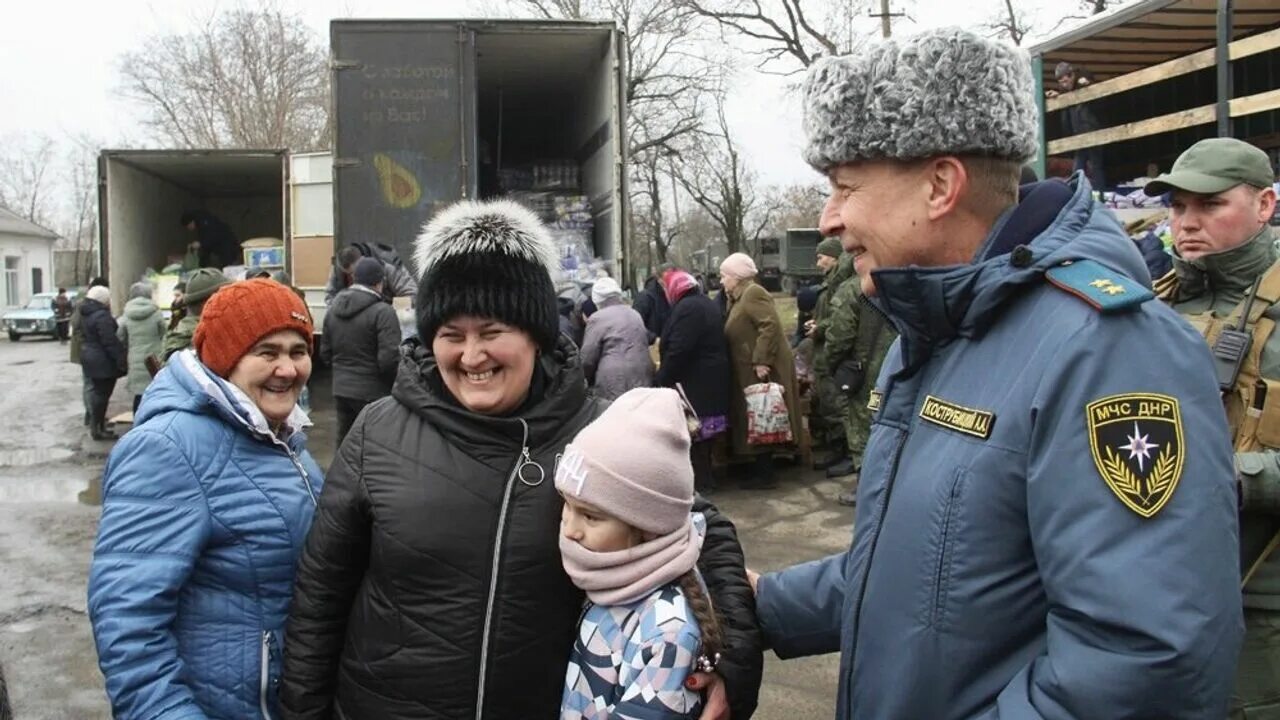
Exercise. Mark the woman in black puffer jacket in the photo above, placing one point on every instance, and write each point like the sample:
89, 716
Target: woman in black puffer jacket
431, 584
103, 358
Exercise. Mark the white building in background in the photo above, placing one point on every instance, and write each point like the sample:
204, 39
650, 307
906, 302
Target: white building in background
26, 259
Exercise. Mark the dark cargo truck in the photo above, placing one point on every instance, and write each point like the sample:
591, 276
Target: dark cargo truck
429, 112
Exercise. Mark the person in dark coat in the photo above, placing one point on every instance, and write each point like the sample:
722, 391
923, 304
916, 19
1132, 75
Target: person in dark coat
62, 310
1079, 119
431, 584
102, 357
77, 340
695, 357
361, 342
652, 304
1159, 262
397, 282
216, 242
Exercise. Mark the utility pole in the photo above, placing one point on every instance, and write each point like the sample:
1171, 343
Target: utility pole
886, 18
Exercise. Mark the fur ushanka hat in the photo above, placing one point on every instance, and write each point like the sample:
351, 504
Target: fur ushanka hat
942, 92
488, 259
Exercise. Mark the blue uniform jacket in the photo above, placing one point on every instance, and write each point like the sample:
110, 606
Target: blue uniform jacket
995, 572
204, 516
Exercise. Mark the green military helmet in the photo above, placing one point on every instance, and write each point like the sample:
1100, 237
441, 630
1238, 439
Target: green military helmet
830, 247
1215, 165
202, 283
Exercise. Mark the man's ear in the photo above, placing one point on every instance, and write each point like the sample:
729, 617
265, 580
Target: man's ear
1266, 205
948, 180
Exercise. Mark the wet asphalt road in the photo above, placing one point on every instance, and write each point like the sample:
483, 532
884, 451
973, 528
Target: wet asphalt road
49, 469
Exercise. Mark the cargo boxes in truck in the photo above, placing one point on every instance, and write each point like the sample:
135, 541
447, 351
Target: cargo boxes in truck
431, 112
142, 195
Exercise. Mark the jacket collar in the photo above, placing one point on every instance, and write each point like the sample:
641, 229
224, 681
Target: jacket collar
736, 293
234, 406
1230, 272
841, 271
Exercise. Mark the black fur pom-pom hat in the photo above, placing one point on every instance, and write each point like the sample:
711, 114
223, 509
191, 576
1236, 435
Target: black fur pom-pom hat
491, 260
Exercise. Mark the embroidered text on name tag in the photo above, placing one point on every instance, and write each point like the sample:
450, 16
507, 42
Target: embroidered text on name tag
969, 421
877, 397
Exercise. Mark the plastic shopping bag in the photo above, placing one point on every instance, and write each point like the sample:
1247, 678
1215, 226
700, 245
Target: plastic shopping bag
768, 422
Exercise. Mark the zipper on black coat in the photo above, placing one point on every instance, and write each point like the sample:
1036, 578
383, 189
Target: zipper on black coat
497, 561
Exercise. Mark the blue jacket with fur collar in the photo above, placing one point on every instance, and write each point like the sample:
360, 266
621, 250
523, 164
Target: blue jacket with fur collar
204, 515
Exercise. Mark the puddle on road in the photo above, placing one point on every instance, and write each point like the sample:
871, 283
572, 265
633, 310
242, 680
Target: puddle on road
33, 456
43, 489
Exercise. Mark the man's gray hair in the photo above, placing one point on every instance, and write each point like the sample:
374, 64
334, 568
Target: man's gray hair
941, 92
141, 290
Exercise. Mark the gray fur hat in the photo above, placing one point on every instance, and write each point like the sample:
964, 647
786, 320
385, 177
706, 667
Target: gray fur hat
942, 92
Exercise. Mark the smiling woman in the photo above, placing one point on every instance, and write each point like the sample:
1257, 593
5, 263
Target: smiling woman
431, 584
206, 502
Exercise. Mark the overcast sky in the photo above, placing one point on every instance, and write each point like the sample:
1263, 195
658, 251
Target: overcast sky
61, 59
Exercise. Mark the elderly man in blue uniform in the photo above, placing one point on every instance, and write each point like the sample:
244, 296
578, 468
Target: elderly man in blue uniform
1046, 522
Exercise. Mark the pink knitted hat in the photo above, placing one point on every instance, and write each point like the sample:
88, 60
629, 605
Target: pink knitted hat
739, 265
632, 462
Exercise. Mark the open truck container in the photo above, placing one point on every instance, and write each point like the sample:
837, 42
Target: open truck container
429, 112
310, 257
143, 193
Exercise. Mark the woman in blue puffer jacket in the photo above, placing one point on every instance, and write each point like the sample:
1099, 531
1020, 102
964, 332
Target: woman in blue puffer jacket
206, 504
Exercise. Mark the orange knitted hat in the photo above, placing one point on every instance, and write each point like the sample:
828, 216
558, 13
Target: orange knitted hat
240, 314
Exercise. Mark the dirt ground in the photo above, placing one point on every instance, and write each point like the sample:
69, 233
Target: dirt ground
48, 473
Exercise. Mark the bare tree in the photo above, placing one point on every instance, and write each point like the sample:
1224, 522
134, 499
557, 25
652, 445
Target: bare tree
245, 78
716, 176
786, 30
650, 170
27, 176
798, 206
1020, 20
670, 73
1011, 23
79, 225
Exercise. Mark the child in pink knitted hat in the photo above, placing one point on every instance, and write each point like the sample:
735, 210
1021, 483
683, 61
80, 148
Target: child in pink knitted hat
629, 539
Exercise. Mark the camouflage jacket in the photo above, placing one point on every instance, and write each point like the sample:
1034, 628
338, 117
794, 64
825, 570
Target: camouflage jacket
854, 330
834, 278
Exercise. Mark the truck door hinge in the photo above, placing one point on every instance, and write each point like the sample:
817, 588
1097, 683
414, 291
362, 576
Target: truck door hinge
339, 163
343, 64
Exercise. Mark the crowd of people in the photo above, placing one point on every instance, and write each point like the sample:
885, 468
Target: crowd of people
1047, 526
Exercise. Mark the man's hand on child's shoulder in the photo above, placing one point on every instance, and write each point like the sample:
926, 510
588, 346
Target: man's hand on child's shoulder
711, 685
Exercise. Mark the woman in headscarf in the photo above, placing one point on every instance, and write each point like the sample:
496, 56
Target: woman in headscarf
142, 333
206, 503
694, 357
432, 583
615, 346
758, 353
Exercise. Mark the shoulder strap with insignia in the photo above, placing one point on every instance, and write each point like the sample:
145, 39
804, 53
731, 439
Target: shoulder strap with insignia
1098, 285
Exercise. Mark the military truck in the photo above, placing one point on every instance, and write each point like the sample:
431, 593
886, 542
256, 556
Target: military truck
798, 258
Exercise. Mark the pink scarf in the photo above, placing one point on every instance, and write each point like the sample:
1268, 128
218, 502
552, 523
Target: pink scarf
625, 576
678, 283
